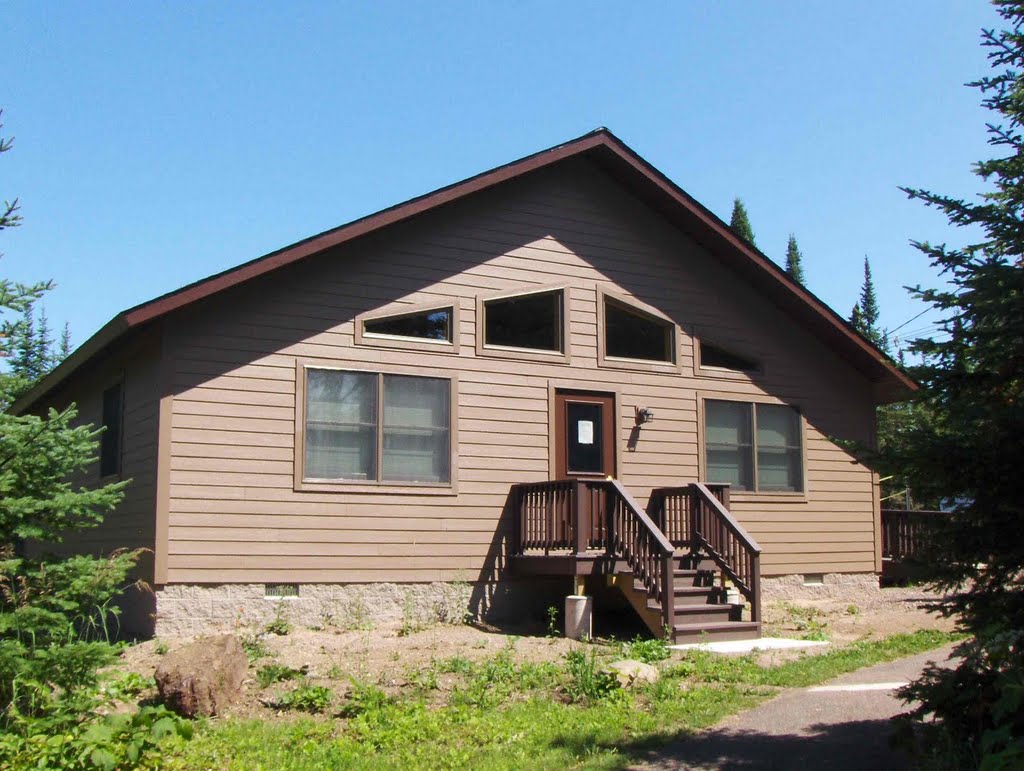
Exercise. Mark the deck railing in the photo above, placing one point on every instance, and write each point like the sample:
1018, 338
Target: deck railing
697, 517
584, 515
903, 532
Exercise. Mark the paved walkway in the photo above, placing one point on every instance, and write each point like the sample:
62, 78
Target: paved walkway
842, 724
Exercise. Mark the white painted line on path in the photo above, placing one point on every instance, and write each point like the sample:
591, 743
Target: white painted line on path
858, 687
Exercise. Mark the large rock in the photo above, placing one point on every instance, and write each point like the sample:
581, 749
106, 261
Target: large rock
630, 673
203, 677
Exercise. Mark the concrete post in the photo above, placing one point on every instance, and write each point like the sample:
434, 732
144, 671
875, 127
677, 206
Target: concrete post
579, 613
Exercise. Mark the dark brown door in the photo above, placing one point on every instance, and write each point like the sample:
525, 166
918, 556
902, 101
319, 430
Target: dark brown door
584, 435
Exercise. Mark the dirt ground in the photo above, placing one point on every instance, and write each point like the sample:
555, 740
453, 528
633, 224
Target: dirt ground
393, 657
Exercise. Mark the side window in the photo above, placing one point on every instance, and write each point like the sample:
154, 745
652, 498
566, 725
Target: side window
110, 440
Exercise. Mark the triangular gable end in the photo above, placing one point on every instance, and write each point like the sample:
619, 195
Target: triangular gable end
624, 165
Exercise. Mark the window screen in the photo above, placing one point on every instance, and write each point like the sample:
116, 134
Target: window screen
416, 421
753, 446
341, 425
376, 427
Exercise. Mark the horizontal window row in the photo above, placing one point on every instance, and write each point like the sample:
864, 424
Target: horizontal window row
379, 428
536, 322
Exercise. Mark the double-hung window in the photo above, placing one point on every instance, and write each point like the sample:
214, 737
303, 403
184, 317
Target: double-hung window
376, 428
753, 446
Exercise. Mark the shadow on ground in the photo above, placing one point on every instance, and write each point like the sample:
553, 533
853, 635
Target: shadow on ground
862, 744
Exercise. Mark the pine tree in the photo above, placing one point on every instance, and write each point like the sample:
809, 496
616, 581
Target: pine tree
971, 452
43, 357
865, 314
49, 663
65, 345
24, 345
868, 300
740, 222
794, 261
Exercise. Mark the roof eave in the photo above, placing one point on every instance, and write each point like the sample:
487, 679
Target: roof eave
107, 334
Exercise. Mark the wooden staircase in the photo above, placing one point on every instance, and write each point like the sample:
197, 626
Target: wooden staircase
699, 608
671, 560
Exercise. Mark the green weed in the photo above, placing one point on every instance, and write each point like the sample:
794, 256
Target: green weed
649, 651
586, 681
275, 673
279, 624
308, 698
255, 648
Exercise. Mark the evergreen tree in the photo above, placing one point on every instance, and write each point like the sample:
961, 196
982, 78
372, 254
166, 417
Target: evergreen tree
24, 345
865, 313
794, 261
65, 345
52, 608
868, 300
740, 222
43, 359
971, 452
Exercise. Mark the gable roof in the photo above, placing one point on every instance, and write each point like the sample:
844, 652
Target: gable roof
609, 153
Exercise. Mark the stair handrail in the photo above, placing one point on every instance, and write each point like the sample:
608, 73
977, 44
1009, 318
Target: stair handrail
638, 540
738, 557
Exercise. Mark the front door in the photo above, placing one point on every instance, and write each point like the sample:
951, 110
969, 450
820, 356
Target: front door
584, 435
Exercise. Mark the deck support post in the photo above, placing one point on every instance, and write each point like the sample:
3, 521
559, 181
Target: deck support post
581, 517
668, 600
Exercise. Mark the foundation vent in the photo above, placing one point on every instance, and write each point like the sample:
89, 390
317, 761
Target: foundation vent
280, 590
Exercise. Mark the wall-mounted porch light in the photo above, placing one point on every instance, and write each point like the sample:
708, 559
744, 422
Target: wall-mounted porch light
644, 415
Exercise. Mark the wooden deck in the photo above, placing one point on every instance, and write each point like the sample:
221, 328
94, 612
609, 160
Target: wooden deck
903, 535
664, 558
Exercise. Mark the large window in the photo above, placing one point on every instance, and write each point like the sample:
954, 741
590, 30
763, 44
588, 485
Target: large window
632, 334
532, 321
110, 440
753, 446
364, 426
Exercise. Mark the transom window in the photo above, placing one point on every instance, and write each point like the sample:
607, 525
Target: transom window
753, 446
421, 325
532, 321
632, 334
377, 427
720, 358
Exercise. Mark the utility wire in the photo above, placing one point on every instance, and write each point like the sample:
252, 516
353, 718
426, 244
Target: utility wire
919, 315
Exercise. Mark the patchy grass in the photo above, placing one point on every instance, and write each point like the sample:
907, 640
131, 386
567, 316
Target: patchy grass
502, 714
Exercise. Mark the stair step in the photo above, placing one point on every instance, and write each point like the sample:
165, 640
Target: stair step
686, 614
713, 632
697, 595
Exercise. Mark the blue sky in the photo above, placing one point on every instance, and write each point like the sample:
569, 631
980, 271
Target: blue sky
158, 143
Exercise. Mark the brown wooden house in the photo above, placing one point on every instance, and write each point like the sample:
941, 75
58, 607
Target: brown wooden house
561, 367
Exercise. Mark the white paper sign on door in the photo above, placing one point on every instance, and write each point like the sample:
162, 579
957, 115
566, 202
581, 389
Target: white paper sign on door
585, 431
